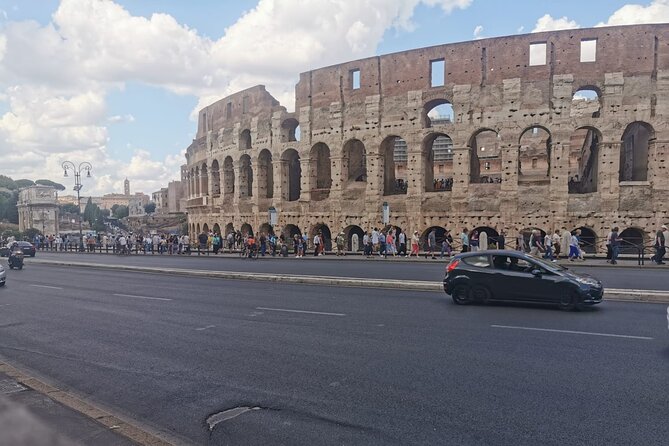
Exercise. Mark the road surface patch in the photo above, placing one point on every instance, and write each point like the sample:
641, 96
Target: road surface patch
142, 297
587, 333
321, 313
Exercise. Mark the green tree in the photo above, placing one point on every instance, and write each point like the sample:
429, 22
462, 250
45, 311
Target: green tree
7, 183
69, 208
8, 209
57, 186
90, 211
24, 183
120, 211
150, 208
30, 233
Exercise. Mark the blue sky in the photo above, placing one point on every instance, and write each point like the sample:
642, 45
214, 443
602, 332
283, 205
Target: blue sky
129, 112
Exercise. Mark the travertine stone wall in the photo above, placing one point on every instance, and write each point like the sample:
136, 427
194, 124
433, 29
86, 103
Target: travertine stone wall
491, 86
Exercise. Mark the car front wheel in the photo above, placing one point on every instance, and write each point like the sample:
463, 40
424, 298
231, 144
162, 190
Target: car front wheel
461, 294
568, 301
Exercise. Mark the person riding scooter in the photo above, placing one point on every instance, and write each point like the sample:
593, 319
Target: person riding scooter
15, 259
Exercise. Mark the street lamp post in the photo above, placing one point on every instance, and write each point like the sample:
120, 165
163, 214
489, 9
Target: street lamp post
84, 166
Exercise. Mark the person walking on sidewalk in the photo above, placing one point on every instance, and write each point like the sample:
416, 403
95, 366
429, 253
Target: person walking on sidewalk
415, 244
615, 245
548, 245
431, 243
464, 239
660, 246
573, 248
340, 244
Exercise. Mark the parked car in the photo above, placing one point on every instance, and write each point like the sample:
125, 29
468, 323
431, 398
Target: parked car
3, 276
27, 248
487, 276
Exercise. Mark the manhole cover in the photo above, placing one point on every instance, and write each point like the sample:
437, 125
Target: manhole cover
8, 386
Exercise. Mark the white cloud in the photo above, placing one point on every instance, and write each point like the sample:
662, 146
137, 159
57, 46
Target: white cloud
56, 77
548, 23
478, 31
656, 12
520, 29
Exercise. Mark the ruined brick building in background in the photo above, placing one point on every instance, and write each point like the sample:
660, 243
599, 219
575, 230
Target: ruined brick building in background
564, 128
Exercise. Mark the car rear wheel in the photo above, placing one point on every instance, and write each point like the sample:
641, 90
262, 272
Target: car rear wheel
461, 294
568, 301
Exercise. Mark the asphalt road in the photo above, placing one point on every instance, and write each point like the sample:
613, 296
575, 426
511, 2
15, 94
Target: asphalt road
340, 366
612, 277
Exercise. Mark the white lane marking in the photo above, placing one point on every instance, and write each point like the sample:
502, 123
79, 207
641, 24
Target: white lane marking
645, 338
142, 297
205, 328
5, 305
300, 311
47, 286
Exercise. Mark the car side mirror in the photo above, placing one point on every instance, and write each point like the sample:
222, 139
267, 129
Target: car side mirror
536, 272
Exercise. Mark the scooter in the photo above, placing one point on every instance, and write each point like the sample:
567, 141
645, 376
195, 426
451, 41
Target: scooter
15, 260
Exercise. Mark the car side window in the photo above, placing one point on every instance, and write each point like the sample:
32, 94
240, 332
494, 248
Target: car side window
479, 261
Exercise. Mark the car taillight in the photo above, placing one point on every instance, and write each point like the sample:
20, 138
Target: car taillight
451, 266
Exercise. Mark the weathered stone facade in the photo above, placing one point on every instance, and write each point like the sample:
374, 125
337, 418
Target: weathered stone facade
38, 209
562, 160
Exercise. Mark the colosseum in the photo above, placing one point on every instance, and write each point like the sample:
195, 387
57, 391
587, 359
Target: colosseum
546, 130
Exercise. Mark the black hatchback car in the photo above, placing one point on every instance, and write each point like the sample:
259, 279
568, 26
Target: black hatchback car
27, 248
487, 276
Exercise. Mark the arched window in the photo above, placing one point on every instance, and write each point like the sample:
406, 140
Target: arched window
583, 160
394, 156
245, 177
245, 140
438, 112
291, 175
633, 239
634, 152
321, 177
586, 103
215, 179
534, 155
438, 162
265, 174
355, 161
485, 165
290, 130
228, 178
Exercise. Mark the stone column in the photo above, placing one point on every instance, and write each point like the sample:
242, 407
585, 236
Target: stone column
279, 173
374, 177
236, 166
338, 178
255, 186
608, 175
509, 189
306, 180
559, 181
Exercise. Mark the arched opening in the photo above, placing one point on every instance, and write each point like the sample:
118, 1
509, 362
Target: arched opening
204, 180
438, 162
354, 161
197, 229
394, 157
289, 232
354, 235
198, 188
266, 229
485, 164
534, 155
438, 112
633, 239
245, 140
583, 160
634, 151
491, 235
290, 130
439, 232
265, 174
588, 239
586, 103
216, 229
229, 228
527, 232
245, 177
205, 228
247, 229
228, 178
321, 176
215, 179
291, 176
326, 237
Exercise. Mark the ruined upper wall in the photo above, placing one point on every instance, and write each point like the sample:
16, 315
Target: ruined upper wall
241, 106
632, 50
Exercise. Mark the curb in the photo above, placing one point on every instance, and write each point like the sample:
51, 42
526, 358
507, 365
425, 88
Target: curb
111, 422
614, 294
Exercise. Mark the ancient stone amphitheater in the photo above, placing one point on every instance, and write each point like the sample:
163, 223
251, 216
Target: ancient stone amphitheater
565, 128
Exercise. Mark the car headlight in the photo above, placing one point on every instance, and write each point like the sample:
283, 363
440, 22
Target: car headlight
587, 281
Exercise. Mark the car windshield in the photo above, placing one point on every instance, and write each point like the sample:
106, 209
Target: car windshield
549, 265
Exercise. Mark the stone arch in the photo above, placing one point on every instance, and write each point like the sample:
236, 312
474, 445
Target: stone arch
534, 155
290, 130
438, 162
215, 179
266, 228
204, 179
440, 233
490, 232
289, 231
528, 231
394, 158
216, 229
245, 140
485, 164
229, 228
437, 112
197, 229
228, 177
265, 174
247, 229
205, 228
291, 175
321, 172
354, 161
351, 230
197, 182
586, 102
588, 239
634, 151
327, 235
245, 177
633, 238
584, 160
